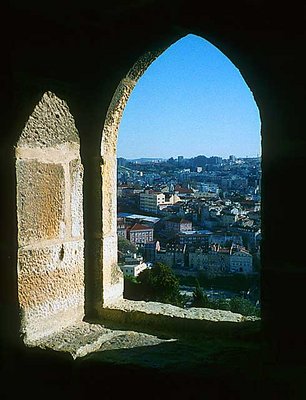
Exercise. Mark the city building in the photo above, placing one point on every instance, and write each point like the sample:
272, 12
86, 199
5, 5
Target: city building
228, 217
180, 160
170, 200
199, 238
133, 270
176, 225
183, 192
150, 200
131, 219
133, 265
241, 261
199, 209
208, 190
215, 261
140, 234
219, 260
121, 228
225, 238
173, 256
150, 249
250, 233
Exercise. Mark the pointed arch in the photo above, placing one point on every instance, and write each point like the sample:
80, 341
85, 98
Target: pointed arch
112, 277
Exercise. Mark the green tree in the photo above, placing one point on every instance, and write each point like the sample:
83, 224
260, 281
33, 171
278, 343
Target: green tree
125, 245
160, 284
242, 306
221, 304
131, 288
200, 299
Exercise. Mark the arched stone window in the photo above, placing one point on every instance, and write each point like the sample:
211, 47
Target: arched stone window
112, 284
50, 220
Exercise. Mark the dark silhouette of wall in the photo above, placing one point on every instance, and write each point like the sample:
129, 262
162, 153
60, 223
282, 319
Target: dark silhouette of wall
81, 52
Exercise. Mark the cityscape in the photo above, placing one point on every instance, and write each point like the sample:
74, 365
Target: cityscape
200, 216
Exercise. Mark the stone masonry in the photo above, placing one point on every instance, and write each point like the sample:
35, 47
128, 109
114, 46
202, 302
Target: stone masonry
50, 221
112, 276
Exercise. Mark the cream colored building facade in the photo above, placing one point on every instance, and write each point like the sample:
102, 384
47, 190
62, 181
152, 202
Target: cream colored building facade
150, 200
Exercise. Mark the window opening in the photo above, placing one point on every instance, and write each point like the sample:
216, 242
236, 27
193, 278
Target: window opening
189, 183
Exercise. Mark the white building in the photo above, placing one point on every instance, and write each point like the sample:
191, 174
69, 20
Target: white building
152, 201
133, 270
133, 265
208, 189
241, 261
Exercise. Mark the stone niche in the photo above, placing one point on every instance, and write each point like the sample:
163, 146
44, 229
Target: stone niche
50, 262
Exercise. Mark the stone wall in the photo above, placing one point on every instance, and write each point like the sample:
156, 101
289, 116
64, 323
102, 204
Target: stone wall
50, 221
112, 278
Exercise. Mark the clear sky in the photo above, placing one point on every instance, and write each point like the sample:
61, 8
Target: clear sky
192, 100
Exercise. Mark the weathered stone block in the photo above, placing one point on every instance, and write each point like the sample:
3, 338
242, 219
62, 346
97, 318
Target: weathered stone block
52, 272
109, 195
50, 124
51, 287
50, 317
109, 257
40, 201
76, 197
112, 275
166, 319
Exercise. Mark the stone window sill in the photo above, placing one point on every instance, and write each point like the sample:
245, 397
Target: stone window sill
147, 322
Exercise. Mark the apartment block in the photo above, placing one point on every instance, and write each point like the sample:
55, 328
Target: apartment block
150, 200
140, 234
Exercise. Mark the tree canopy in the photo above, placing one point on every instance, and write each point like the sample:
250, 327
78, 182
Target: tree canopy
236, 304
125, 246
157, 284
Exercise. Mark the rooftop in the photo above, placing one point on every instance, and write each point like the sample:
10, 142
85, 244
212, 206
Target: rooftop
182, 190
199, 232
146, 218
140, 227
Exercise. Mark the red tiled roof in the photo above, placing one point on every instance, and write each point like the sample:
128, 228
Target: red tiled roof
140, 227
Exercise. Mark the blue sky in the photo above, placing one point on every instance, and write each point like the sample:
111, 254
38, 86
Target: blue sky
192, 100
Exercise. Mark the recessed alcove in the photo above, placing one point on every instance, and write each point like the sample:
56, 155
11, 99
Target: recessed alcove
80, 54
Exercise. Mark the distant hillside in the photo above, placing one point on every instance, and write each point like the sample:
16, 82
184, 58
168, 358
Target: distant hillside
143, 160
